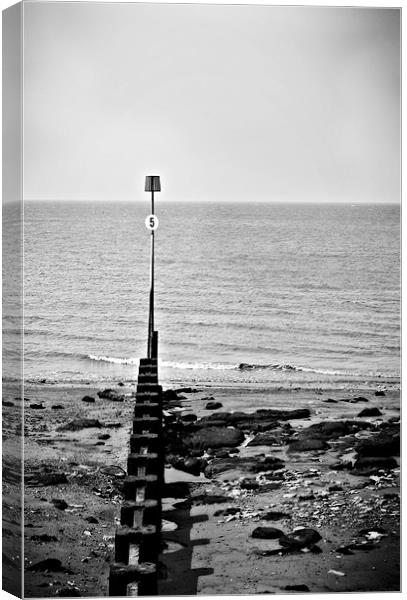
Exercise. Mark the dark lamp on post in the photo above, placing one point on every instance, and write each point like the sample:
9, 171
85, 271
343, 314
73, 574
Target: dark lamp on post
153, 183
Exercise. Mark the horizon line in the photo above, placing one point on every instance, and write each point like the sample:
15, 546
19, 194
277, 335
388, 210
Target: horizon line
207, 201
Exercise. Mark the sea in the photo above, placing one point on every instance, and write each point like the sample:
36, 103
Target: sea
258, 294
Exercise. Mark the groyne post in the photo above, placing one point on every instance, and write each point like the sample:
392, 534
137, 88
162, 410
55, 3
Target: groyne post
138, 538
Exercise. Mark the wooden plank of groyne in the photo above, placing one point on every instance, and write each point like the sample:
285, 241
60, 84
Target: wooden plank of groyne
151, 441
122, 574
148, 509
147, 409
151, 424
150, 484
142, 464
126, 536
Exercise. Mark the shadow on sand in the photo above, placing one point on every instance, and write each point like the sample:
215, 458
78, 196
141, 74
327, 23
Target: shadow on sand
176, 575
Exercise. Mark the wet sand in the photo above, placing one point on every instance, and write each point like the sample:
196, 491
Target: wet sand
208, 553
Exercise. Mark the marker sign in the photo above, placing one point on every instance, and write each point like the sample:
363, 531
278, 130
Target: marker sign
151, 222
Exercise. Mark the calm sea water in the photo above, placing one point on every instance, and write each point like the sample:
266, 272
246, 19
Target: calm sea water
304, 294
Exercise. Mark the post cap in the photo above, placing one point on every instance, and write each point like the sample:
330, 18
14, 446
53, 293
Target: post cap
152, 183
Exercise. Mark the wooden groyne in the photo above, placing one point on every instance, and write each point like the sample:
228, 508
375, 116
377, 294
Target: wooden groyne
138, 538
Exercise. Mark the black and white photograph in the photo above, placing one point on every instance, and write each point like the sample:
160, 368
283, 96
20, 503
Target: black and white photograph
201, 299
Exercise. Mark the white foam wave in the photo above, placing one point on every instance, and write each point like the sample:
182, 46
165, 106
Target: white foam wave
112, 359
204, 366
242, 367
168, 364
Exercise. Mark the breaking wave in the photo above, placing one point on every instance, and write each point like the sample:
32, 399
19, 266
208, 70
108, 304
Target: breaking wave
112, 359
208, 366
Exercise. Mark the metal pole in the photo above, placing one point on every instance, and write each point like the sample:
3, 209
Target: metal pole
151, 319
152, 185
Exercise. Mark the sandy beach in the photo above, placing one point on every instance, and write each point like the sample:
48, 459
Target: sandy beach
74, 475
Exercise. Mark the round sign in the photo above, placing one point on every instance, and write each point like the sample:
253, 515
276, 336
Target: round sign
151, 222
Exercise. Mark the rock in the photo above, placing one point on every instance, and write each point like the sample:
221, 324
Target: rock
267, 533
269, 487
91, 520
215, 437
120, 384
99, 444
7, 403
213, 405
330, 401
264, 439
189, 465
385, 443
45, 477
49, 564
88, 399
44, 537
249, 484
189, 418
364, 547
169, 395
282, 415
37, 406
238, 466
370, 412
222, 419
331, 430
306, 445
305, 497
113, 471
367, 530
69, 592
335, 488
274, 476
379, 393
197, 453
78, 424
60, 504
261, 427
297, 587
354, 400
244, 420
57, 407
226, 512
104, 436
345, 550
274, 515
222, 454
186, 390
300, 538
109, 394
369, 465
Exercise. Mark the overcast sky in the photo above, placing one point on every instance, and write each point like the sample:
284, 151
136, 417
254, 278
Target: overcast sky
224, 102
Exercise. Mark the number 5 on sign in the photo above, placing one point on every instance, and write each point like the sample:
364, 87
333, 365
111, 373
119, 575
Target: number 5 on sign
151, 222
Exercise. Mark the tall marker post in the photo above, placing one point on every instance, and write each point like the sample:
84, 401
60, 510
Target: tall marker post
152, 185
138, 537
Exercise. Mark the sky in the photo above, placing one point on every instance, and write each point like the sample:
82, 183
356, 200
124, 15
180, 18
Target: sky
225, 103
